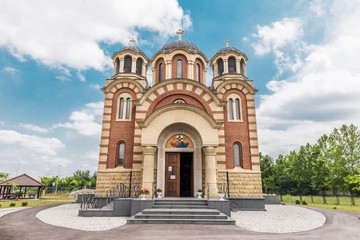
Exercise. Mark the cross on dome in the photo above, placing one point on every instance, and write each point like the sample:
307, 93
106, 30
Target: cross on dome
227, 42
179, 33
132, 42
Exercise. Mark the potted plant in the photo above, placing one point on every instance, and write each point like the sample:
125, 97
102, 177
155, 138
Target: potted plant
143, 193
199, 192
158, 192
221, 195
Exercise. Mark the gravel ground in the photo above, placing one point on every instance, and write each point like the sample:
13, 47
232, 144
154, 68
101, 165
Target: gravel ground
67, 216
279, 219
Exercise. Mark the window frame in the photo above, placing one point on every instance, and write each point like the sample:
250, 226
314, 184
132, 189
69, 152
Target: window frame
220, 60
139, 66
179, 68
234, 108
238, 158
127, 64
232, 64
120, 145
124, 107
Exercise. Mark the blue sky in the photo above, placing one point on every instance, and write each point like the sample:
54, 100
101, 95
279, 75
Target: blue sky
56, 55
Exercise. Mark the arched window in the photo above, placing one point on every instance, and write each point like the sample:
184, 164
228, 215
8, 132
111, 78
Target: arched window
231, 109
121, 153
237, 109
127, 64
139, 64
127, 113
121, 108
232, 65
234, 105
237, 155
220, 64
179, 100
198, 72
117, 65
160, 72
242, 67
124, 107
179, 70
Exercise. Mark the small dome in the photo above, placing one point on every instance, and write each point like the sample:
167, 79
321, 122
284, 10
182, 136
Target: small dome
132, 49
180, 44
228, 49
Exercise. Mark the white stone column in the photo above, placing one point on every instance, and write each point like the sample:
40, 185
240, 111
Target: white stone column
226, 66
133, 65
190, 72
143, 70
121, 69
238, 66
148, 168
210, 172
168, 69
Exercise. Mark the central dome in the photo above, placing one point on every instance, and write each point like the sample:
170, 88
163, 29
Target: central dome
180, 44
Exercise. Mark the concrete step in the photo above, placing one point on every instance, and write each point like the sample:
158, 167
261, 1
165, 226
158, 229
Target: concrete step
197, 203
178, 216
180, 211
180, 206
227, 221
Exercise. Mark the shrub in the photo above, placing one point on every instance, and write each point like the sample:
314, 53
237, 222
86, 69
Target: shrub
334, 208
0, 205
12, 204
304, 202
24, 204
297, 202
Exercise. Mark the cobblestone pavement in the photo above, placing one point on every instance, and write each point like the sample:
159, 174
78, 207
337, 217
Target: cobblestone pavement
24, 225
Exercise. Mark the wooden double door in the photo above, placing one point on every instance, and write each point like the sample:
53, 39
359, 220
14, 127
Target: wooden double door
178, 174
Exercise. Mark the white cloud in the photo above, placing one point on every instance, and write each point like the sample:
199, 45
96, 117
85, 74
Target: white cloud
10, 70
33, 127
322, 94
276, 36
67, 33
86, 121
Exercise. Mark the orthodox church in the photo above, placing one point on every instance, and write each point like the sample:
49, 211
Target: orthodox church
178, 133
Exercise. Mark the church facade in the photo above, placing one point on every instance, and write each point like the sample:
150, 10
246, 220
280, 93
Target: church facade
179, 133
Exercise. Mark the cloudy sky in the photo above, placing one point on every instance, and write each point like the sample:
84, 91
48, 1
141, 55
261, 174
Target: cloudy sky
56, 55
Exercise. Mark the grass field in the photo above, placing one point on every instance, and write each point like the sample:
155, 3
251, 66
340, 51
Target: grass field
44, 200
317, 201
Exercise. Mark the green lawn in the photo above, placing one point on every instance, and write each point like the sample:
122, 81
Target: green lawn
44, 200
317, 201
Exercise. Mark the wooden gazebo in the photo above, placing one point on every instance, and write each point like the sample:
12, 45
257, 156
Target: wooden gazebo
23, 181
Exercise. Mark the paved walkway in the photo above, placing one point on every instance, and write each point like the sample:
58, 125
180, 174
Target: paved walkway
24, 225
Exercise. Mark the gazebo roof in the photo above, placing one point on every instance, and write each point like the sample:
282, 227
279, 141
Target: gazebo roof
23, 180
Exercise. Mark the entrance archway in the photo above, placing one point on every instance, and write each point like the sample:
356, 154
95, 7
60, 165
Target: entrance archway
186, 155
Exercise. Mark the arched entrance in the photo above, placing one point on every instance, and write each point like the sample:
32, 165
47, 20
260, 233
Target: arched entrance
179, 168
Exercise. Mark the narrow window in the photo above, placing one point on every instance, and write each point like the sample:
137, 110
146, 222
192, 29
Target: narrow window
237, 155
179, 66
121, 153
232, 65
237, 109
220, 64
139, 64
231, 109
198, 72
160, 72
127, 113
121, 110
127, 64
117, 65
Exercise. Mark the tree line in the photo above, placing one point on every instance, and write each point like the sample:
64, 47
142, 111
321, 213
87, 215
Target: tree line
79, 180
331, 164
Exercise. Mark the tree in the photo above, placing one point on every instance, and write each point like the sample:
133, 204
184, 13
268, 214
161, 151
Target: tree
3, 176
267, 172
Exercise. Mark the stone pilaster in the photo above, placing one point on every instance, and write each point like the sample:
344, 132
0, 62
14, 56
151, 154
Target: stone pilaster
210, 171
148, 168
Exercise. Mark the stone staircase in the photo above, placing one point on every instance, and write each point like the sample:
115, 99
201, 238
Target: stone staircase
180, 211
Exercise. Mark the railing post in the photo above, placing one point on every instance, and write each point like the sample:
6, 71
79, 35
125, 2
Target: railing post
130, 183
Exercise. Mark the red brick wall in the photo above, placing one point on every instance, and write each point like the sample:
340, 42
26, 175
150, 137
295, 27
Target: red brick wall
121, 131
170, 99
237, 132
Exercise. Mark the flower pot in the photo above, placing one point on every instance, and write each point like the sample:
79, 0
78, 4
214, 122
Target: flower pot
199, 194
143, 197
159, 194
222, 195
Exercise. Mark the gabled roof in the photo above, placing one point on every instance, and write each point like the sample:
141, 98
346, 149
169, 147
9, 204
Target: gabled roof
23, 180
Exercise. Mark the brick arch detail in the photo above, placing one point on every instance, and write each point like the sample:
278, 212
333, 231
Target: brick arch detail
190, 95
